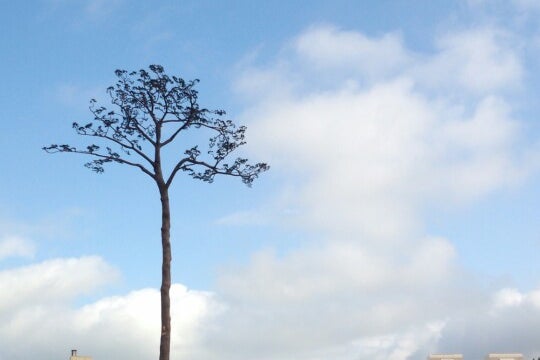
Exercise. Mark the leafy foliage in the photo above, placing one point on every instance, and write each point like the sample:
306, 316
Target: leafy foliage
151, 110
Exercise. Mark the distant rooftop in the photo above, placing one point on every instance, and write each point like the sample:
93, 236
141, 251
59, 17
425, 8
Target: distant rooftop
493, 356
74, 356
445, 357
504, 357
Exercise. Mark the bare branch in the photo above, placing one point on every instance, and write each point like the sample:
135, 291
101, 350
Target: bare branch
240, 168
89, 131
96, 165
178, 167
187, 124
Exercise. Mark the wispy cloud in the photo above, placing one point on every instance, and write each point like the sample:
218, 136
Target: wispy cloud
481, 61
15, 246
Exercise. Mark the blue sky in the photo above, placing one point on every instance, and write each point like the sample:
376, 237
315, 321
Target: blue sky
399, 218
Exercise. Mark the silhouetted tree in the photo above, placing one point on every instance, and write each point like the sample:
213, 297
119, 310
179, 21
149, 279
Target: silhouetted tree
152, 110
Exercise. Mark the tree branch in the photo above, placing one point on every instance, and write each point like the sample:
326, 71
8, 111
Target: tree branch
131, 146
178, 166
186, 124
111, 157
141, 130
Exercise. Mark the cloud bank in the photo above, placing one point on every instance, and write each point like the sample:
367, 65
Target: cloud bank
39, 317
375, 136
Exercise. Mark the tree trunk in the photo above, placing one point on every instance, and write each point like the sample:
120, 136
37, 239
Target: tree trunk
165, 341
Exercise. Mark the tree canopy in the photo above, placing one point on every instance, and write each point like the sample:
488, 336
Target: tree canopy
153, 108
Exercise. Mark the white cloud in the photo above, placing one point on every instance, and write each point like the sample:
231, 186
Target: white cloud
34, 303
383, 152
372, 143
479, 60
330, 48
39, 318
52, 281
326, 299
508, 325
507, 298
15, 246
134, 321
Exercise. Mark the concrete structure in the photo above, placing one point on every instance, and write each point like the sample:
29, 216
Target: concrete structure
445, 357
74, 356
489, 357
504, 357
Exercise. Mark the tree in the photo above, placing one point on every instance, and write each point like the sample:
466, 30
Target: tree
153, 111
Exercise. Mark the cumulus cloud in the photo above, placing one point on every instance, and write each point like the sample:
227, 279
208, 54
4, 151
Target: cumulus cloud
381, 151
34, 302
375, 135
39, 318
133, 321
327, 300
